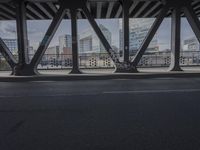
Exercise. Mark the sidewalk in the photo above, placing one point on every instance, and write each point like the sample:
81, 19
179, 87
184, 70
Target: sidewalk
62, 75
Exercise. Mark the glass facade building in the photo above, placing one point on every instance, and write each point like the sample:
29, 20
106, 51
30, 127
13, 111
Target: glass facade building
90, 43
139, 28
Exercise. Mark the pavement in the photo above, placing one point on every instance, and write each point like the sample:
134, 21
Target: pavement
120, 114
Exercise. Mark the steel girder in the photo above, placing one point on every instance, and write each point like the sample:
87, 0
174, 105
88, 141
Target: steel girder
46, 9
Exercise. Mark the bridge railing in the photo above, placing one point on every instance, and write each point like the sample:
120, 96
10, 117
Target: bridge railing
102, 60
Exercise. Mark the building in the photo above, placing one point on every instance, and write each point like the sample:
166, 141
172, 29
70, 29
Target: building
139, 28
52, 52
90, 43
12, 45
67, 53
65, 41
191, 44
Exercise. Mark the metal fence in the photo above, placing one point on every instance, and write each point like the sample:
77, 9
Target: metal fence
102, 60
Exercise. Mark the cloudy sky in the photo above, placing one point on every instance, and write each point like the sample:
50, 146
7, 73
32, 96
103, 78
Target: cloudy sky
37, 29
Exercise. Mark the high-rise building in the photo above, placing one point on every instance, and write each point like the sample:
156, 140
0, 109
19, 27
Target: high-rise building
139, 28
12, 45
90, 43
65, 41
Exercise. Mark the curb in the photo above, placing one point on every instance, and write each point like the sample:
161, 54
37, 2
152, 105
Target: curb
74, 77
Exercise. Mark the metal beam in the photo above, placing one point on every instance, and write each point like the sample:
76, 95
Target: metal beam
75, 59
79, 15
7, 54
39, 5
110, 8
22, 33
7, 10
156, 14
175, 39
99, 8
68, 14
150, 35
119, 12
48, 36
33, 10
29, 16
193, 20
151, 10
100, 35
6, 15
125, 25
88, 6
134, 4
52, 6
141, 9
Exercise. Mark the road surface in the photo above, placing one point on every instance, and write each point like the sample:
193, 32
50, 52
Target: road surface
142, 114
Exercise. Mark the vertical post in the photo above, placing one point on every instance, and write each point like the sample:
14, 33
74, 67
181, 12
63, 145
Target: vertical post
125, 23
175, 39
22, 33
75, 67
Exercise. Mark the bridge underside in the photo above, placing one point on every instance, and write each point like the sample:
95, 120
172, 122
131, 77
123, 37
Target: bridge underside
104, 9
21, 11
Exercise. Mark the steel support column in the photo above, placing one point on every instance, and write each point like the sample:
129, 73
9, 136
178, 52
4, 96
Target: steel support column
75, 59
22, 38
175, 39
126, 66
121, 67
125, 26
47, 38
150, 35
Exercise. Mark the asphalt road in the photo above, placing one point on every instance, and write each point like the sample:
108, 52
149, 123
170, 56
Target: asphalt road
145, 114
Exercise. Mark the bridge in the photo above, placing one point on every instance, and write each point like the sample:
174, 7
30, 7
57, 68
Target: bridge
123, 107
21, 11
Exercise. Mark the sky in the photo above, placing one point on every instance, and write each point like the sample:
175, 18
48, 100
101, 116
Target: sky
37, 29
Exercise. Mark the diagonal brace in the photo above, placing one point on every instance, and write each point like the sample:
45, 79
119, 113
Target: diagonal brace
150, 35
193, 20
48, 36
100, 35
7, 54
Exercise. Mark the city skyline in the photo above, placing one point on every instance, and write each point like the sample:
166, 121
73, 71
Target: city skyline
37, 29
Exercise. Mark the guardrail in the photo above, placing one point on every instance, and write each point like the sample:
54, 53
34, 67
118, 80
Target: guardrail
102, 60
